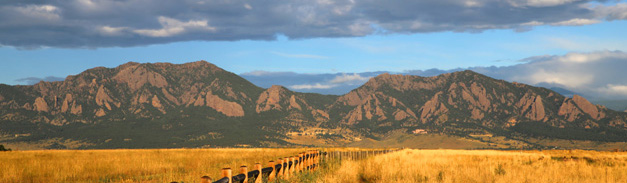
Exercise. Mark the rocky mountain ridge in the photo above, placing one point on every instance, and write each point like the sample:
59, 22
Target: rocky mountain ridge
208, 94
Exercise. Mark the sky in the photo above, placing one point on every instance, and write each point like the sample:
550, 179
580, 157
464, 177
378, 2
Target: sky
325, 46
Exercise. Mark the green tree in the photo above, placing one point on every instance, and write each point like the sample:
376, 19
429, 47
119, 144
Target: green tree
3, 149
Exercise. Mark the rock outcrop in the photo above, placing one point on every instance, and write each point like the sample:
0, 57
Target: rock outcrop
137, 75
225, 107
280, 99
40, 105
588, 107
569, 110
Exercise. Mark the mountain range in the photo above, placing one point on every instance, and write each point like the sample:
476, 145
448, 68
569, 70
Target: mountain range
163, 105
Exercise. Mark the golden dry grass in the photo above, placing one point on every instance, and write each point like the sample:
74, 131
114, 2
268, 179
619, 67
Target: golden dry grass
484, 166
187, 165
159, 165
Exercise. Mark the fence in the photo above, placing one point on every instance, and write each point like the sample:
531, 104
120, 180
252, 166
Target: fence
287, 167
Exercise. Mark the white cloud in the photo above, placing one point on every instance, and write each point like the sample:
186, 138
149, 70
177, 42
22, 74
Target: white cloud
612, 12
48, 12
542, 3
112, 31
266, 73
592, 57
577, 22
612, 89
300, 55
345, 78
257, 73
472, 3
314, 86
86, 3
599, 74
171, 27
568, 79
532, 23
581, 43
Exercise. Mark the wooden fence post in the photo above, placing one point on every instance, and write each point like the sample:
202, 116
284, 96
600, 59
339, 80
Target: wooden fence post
306, 161
310, 161
226, 172
300, 162
313, 160
317, 160
341, 155
286, 171
205, 179
259, 178
244, 170
279, 173
293, 168
273, 172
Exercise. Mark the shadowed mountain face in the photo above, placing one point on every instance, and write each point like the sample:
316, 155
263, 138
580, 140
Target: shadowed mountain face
198, 104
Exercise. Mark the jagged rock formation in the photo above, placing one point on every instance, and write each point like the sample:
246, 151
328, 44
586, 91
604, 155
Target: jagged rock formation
467, 97
200, 90
278, 98
133, 90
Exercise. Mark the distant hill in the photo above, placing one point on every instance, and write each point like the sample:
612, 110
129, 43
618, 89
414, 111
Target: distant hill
617, 105
197, 104
563, 91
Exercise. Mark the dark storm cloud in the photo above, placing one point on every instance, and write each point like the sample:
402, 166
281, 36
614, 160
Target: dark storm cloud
111, 23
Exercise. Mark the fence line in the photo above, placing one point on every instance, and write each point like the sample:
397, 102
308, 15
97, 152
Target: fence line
286, 167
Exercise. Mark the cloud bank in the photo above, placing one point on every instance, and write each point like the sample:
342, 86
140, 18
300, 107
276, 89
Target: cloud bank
597, 75
35, 80
123, 23
332, 83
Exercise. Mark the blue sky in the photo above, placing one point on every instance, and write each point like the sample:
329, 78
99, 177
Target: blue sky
334, 37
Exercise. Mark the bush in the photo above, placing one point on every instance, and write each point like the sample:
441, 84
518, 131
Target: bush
3, 149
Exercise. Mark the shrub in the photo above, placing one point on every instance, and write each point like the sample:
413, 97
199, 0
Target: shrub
3, 149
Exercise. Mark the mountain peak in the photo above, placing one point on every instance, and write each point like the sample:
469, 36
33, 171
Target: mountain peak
128, 64
277, 98
199, 63
277, 88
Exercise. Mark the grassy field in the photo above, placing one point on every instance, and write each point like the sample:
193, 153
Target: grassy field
164, 165
484, 166
187, 165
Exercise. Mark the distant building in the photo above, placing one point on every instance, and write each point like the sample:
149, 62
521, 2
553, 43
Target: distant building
419, 131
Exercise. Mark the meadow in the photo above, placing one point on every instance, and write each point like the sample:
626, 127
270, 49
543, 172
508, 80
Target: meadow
141, 165
409, 165
481, 166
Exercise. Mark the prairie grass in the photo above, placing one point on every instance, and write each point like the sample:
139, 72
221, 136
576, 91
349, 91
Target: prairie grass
482, 166
188, 165
150, 165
